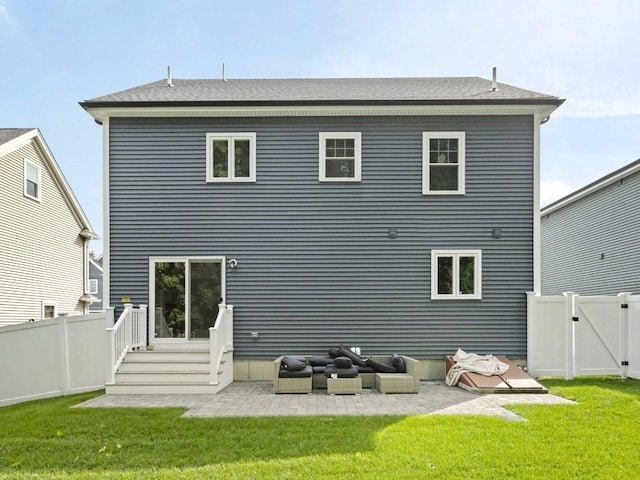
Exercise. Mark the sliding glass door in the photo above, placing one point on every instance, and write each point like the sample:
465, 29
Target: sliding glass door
185, 294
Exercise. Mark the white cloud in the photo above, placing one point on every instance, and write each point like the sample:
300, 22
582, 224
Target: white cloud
553, 190
7, 22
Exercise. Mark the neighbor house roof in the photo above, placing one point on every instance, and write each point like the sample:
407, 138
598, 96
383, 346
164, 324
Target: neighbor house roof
599, 184
7, 134
13, 138
322, 91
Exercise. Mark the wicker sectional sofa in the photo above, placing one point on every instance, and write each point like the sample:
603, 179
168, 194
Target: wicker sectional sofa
313, 376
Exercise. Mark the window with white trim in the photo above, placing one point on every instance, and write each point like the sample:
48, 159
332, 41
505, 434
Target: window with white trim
340, 156
49, 309
32, 180
456, 274
93, 285
443, 159
231, 157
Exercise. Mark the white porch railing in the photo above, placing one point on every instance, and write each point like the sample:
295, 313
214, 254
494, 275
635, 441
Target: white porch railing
129, 333
221, 342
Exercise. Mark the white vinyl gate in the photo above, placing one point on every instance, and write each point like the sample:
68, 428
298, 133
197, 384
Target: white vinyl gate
573, 335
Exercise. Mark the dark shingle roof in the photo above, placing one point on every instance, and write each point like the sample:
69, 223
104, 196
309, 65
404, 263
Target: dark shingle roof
323, 90
7, 134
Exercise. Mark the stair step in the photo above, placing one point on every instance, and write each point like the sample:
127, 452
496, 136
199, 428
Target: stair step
140, 366
162, 388
168, 356
161, 377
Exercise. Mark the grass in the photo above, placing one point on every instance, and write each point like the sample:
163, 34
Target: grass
597, 438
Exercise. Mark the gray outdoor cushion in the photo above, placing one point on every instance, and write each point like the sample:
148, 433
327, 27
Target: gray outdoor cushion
343, 362
293, 364
380, 367
341, 372
306, 372
398, 363
356, 359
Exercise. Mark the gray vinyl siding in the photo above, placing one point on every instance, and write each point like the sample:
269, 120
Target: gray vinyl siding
576, 237
316, 267
41, 253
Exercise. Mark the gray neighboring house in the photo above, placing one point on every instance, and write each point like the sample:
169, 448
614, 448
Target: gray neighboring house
591, 238
396, 214
44, 234
96, 280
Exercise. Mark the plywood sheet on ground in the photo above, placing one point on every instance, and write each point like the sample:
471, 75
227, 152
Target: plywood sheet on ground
514, 380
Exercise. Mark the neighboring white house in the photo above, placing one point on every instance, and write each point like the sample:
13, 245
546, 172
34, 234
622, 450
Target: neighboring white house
44, 234
590, 239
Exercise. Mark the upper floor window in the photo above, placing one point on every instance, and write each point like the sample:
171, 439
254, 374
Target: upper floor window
456, 274
32, 180
340, 156
93, 285
231, 157
443, 156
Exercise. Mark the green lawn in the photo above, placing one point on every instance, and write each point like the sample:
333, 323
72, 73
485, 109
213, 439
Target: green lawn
597, 438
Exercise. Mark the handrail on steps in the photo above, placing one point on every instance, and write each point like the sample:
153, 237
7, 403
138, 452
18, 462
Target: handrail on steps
220, 341
127, 334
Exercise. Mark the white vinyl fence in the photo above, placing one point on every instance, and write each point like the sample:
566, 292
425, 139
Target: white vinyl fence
571, 335
54, 357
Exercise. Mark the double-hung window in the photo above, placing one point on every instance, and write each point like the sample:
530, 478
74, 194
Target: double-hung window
49, 309
93, 285
32, 180
340, 156
456, 274
443, 158
231, 157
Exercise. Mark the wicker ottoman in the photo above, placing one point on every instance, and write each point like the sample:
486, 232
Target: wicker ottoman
344, 386
396, 383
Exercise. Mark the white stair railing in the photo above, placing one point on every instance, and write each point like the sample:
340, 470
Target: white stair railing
221, 342
127, 334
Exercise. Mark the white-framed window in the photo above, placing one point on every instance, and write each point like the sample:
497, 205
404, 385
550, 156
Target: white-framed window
32, 180
49, 309
231, 157
456, 274
443, 159
340, 156
93, 285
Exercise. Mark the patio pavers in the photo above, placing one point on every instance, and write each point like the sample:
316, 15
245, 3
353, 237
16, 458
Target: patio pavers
251, 399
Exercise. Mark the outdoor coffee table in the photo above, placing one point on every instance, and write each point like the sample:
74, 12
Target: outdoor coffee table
344, 386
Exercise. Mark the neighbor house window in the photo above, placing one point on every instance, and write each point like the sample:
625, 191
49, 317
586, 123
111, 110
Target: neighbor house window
340, 157
456, 274
49, 309
231, 157
32, 180
443, 157
93, 285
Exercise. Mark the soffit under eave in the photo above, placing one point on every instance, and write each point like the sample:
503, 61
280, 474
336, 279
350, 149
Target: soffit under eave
102, 113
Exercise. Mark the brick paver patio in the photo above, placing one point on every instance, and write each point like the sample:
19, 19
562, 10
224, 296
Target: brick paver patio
247, 399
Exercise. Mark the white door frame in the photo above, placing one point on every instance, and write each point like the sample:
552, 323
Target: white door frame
187, 291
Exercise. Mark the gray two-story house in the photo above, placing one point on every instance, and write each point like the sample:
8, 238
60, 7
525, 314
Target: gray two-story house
591, 237
395, 214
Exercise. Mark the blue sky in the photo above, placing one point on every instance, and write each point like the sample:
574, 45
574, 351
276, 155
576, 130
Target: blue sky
54, 54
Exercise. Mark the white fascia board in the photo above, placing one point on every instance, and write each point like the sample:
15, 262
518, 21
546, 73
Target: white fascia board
574, 197
64, 186
102, 113
18, 142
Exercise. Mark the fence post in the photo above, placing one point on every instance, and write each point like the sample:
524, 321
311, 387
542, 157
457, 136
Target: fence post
64, 353
144, 326
111, 354
531, 318
623, 299
570, 298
